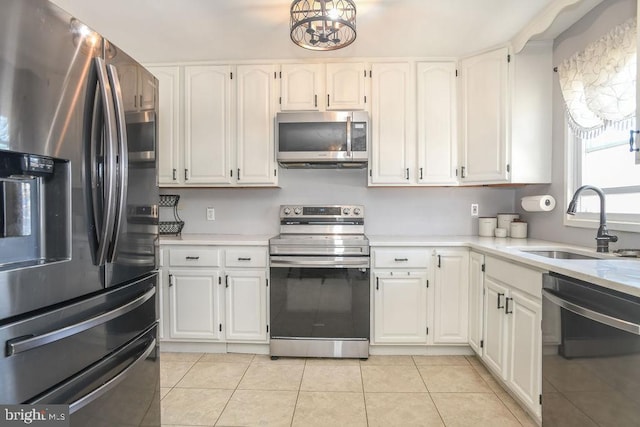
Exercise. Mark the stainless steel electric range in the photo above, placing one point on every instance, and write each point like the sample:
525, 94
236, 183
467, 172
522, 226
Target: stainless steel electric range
320, 283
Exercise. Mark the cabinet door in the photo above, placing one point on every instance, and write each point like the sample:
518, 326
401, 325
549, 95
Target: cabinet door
451, 296
437, 121
128, 76
524, 377
300, 87
495, 328
346, 86
400, 307
207, 124
246, 305
193, 304
255, 125
484, 115
476, 284
168, 124
393, 142
146, 90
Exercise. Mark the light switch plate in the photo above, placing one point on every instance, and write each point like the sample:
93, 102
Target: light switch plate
211, 214
474, 209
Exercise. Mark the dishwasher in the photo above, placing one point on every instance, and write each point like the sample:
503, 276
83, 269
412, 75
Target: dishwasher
590, 354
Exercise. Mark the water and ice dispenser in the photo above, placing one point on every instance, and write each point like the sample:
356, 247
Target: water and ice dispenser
34, 198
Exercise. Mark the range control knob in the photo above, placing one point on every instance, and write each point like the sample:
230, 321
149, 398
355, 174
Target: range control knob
286, 211
346, 211
356, 211
297, 211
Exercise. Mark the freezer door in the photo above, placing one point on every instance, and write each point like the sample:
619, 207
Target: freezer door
46, 349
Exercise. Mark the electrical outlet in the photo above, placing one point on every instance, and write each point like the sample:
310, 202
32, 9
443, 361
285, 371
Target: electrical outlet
474, 209
211, 214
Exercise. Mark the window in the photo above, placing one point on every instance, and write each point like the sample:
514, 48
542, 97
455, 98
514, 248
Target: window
599, 89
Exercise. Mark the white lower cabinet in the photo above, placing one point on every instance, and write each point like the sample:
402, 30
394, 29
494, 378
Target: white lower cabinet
194, 304
476, 286
246, 305
451, 296
215, 294
512, 328
400, 307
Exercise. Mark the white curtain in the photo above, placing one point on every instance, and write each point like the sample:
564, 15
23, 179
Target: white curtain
599, 83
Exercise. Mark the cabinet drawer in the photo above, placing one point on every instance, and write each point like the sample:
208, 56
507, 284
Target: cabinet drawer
194, 257
401, 258
516, 276
246, 257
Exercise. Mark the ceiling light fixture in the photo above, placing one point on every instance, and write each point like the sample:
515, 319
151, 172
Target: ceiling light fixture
323, 24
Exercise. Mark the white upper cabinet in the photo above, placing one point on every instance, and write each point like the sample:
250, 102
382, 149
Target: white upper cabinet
207, 124
483, 91
255, 112
346, 89
506, 116
392, 124
437, 123
141, 89
301, 87
169, 148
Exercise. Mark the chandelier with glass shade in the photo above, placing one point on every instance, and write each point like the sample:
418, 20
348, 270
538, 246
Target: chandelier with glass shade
323, 24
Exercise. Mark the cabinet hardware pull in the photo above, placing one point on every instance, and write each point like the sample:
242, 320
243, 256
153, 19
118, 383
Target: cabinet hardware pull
328, 103
315, 100
174, 174
407, 174
506, 306
238, 174
192, 258
244, 259
226, 281
439, 261
170, 280
401, 259
140, 105
462, 173
420, 173
186, 172
500, 295
377, 283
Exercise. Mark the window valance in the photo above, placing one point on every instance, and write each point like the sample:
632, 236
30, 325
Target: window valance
599, 83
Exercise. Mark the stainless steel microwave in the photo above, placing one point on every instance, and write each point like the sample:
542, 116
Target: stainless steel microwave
323, 139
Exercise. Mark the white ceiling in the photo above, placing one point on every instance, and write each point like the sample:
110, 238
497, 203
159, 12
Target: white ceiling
194, 30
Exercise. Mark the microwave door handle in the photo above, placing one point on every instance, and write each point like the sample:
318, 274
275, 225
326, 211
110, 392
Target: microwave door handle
123, 156
349, 136
110, 165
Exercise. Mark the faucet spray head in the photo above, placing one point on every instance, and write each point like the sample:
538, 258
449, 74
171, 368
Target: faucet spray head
571, 210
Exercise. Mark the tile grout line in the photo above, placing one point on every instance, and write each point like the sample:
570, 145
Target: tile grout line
295, 405
234, 391
364, 397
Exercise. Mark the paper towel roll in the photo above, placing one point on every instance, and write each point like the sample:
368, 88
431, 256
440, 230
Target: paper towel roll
543, 203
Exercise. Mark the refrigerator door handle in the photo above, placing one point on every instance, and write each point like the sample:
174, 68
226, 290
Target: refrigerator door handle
122, 157
95, 394
110, 165
22, 344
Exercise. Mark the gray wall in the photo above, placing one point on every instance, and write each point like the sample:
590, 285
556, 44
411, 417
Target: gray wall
549, 225
400, 211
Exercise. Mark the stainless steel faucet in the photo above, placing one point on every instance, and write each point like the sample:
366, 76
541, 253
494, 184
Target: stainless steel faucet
603, 237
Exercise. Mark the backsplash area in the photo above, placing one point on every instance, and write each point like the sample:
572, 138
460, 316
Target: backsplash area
398, 211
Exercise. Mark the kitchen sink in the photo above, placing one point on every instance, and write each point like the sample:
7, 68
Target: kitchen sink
558, 254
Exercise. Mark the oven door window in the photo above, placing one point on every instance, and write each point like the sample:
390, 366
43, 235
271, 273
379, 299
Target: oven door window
319, 302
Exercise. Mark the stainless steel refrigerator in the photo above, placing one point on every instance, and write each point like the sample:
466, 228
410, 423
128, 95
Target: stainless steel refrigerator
78, 220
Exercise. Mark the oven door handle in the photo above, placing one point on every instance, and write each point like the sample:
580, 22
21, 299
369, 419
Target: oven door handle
596, 316
319, 262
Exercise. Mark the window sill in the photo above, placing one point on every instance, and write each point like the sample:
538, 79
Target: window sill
593, 221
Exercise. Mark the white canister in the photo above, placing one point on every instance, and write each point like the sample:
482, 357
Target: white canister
501, 232
505, 219
518, 230
486, 225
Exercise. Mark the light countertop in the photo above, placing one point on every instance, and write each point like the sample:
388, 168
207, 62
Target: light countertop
217, 239
621, 274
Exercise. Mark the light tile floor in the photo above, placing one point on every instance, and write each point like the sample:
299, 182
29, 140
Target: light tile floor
253, 390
